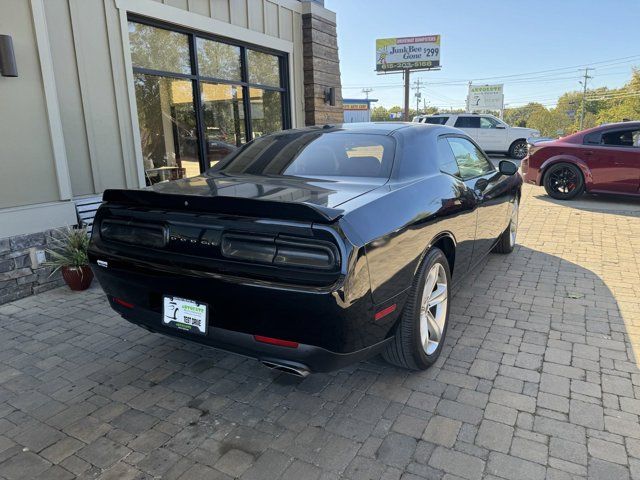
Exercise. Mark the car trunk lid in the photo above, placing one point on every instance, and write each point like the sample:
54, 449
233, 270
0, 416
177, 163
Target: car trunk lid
294, 198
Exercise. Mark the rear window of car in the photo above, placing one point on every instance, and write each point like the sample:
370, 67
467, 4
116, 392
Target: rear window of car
314, 154
467, 122
436, 120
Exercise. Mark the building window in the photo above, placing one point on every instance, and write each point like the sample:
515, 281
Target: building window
199, 97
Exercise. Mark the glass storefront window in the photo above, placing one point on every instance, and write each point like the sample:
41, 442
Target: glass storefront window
200, 98
218, 60
266, 111
168, 130
263, 68
159, 49
223, 113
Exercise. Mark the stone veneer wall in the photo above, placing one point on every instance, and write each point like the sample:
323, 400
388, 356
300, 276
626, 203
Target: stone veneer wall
321, 70
19, 277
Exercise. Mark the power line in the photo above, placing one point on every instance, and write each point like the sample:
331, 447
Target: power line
533, 76
366, 91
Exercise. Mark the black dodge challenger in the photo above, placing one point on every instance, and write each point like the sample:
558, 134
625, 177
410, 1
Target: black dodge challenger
310, 249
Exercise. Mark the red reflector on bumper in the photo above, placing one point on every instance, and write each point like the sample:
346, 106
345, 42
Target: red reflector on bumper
119, 301
385, 311
276, 341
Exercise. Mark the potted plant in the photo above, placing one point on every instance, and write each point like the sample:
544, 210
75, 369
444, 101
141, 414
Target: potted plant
69, 255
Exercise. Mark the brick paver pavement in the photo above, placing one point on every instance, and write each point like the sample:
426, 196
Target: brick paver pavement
539, 379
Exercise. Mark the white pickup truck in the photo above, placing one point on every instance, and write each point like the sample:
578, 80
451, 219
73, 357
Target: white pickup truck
491, 133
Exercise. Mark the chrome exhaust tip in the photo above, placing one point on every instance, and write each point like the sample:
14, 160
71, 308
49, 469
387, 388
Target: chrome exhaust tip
291, 370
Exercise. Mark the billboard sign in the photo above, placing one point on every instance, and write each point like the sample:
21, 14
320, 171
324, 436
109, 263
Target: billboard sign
412, 53
485, 97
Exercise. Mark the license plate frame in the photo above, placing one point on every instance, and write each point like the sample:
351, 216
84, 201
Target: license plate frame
185, 315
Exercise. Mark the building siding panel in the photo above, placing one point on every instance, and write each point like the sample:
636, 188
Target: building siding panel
70, 99
239, 12
271, 19
201, 7
182, 4
92, 48
286, 24
220, 10
27, 172
256, 16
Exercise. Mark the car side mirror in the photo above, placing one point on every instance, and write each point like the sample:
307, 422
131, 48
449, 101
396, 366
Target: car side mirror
507, 168
501, 127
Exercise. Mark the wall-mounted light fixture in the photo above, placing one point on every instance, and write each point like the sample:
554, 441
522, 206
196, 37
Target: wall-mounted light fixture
8, 66
330, 96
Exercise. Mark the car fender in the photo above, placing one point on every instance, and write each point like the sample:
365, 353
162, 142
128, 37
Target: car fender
564, 158
434, 240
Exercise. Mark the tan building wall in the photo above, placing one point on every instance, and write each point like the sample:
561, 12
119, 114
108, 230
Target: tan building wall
69, 124
26, 152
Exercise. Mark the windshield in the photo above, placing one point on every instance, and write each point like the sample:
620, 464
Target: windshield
314, 154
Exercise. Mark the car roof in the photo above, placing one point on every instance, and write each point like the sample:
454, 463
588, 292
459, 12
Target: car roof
376, 128
600, 128
459, 114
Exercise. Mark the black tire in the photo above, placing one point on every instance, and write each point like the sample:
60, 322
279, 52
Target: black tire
406, 349
518, 149
563, 181
507, 240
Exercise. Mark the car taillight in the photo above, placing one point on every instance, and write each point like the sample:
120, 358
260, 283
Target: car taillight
133, 233
282, 250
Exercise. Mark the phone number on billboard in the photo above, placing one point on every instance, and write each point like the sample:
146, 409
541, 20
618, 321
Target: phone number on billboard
395, 66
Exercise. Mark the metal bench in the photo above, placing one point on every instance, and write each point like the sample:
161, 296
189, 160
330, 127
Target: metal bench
86, 208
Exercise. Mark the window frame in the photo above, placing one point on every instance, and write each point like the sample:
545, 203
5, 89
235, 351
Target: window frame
197, 79
484, 155
615, 130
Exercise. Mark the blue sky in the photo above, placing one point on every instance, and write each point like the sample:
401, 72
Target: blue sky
491, 38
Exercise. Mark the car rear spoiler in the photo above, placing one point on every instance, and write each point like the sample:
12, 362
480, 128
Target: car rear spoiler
227, 205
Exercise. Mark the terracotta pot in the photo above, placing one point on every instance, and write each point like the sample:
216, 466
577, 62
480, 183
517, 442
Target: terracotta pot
78, 278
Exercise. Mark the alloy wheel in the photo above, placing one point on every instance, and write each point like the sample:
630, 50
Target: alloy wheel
563, 180
433, 308
520, 150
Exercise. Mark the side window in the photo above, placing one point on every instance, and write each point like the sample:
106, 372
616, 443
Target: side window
621, 138
436, 120
470, 159
446, 160
488, 122
467, 122
592, 139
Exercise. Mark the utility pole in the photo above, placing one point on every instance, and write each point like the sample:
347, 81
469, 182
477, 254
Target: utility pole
366, 92
407, 86
584, 95
417, 87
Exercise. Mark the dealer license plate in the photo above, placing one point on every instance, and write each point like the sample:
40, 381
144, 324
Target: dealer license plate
186, 315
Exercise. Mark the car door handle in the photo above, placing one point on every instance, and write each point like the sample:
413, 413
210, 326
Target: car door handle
588, 152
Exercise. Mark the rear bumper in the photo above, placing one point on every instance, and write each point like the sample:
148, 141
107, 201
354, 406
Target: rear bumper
330, 331
303, 357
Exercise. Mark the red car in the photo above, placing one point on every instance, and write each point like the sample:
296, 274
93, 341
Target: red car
603, 159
